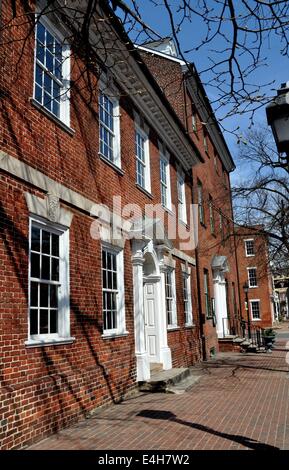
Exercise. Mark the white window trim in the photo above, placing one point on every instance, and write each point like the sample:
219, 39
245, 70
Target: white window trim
251, 312
174, 303
121, 330
182, 208
200, 195
113, 94
252, 267
65, 93
63, 335
248, 240
187, 277
147, 172
165, 157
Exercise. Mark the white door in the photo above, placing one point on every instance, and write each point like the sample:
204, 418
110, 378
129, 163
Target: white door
150, 311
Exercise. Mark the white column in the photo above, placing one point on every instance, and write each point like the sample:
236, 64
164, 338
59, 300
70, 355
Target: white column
220, 304
142, 361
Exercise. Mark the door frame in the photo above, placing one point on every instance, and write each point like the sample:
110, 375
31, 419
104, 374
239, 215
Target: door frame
154, 279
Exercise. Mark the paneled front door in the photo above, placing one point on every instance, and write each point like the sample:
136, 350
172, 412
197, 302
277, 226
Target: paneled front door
151, 319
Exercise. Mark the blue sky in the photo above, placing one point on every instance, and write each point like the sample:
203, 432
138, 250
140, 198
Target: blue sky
276, 66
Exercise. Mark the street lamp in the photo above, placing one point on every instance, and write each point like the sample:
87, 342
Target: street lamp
246, 290
278, 118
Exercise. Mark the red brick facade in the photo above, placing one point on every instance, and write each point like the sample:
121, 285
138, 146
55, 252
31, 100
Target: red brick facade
215, 180
263, 291
46, 387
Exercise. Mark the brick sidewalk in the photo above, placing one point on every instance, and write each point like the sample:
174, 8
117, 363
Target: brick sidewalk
241, 402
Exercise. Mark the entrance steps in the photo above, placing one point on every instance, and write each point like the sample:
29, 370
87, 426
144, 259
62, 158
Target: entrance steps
177, 380
238, 344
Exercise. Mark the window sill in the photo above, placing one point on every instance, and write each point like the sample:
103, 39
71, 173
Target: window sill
253, 287
145, 191
184, 223
52, 117
256, 319
189, 326
114, 335
111, 164
173, 328
36, 343
249, 256
169, 211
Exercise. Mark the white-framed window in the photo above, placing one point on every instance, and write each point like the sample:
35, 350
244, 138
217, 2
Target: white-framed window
187, 296
255, 309
250, 247
170, 289
113, 307
52, 70
194, 119
182, 208
165, 179
205, 139
142, 159
201, 202
109, 126
48, 282
212, 215
252, 277
207, 294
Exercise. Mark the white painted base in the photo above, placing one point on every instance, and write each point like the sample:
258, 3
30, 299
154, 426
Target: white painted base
142, 367
166, 358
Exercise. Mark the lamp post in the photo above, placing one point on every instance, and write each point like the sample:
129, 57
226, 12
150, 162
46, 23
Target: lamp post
278, 118
246, 290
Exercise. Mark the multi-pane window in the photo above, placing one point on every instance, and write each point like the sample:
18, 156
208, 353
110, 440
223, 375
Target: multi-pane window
194, 119
50, 69
207, 294
187, 299
164, 181
142, 159
222, 231
109, 290
182, 199
252, 277
255, 309
106, 127
112, 291
216, 163
205, 139
170, 298
201, 203
45, 282
212, 217
250, 249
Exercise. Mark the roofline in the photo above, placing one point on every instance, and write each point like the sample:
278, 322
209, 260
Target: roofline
161, 54
133, 51
190, 67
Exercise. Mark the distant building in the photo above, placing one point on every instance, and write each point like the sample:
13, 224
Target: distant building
254, 269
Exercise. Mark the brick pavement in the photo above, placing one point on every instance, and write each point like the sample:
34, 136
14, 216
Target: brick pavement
241, 402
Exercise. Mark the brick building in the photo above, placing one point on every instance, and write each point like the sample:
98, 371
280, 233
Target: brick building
88, 299
100, 277
254, 270
218, 286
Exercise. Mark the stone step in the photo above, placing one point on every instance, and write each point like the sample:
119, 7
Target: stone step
156, 366
184, 385
161, 381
